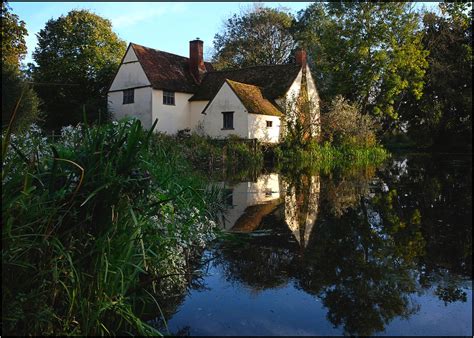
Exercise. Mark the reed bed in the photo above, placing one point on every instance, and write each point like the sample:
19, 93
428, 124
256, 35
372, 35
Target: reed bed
96, 226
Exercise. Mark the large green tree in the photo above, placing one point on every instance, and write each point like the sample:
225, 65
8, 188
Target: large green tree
76, 58
370, 53
16, 92
443, 117
258, 36
13, 37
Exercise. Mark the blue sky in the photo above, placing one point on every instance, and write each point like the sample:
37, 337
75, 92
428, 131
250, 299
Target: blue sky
167, 26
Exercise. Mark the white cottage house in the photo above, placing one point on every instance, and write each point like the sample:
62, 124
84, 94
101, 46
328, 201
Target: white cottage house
187, 93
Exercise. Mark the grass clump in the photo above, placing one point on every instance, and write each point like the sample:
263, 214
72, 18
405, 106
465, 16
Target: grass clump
96, 226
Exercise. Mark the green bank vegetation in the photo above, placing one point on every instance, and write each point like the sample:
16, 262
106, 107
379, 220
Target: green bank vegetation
97, 224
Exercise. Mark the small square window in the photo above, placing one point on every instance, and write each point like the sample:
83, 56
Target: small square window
168, 98
128, 96
228, 120
269, 124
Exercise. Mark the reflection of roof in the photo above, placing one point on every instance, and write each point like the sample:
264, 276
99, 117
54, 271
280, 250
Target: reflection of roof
252, 99
275, 80
253, 215
165, 70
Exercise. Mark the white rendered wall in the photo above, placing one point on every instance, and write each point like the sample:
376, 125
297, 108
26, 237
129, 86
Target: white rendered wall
171, 118
129, 75
293, 92
196, 118
314, 97
130, 55
141, 108
224, 101
258, 128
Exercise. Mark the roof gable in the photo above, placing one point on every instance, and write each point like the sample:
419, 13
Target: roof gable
274, 80
166, 71
252, 99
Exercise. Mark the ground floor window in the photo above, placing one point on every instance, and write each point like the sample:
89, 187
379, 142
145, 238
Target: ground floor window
269, 124
168, 98
128, 96
228, 120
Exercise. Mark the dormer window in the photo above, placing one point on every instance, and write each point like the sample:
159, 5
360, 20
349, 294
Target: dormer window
168, 98
128, 96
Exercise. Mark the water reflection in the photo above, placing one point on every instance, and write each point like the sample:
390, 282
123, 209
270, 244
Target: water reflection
369, 244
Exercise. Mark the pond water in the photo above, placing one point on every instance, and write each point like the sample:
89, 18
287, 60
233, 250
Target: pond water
371, 251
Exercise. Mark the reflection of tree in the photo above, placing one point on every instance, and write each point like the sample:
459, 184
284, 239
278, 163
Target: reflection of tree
357, 273
376, 241
344, 190
374, 244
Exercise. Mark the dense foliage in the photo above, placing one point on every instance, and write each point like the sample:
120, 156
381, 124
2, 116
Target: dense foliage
13, 37
410, 69
370, 53
96, 225
77, 56
443, 116
18, 98
256, 37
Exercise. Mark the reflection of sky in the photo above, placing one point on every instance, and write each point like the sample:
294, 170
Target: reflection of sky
233, 309
435, 318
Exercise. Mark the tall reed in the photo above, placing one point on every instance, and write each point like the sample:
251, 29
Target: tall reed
92, 225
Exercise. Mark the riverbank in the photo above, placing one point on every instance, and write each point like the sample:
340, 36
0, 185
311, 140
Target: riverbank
96, 225
100, 222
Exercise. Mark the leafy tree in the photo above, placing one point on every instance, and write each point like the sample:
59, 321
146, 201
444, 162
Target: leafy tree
443, 117
370, 53
14, 87
13, 37
254, 37
16, 90
76, 58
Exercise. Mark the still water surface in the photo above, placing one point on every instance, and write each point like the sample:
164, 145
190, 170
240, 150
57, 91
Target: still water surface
372, 251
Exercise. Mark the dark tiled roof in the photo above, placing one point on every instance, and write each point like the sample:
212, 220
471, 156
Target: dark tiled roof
253, 100
274, 80
167, 71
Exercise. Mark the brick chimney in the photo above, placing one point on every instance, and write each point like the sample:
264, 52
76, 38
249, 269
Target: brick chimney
300, 57
196, 61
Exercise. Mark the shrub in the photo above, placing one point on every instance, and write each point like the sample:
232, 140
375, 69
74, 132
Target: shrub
343, 124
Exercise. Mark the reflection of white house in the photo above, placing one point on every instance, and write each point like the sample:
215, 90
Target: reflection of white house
301, 209
248, 200
187, 93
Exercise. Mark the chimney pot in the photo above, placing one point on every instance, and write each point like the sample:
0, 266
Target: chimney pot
196, 60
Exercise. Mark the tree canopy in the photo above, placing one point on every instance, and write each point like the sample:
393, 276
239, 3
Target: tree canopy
76, 57
444, 114
370, 53
15, 89
259, 36
13, 37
